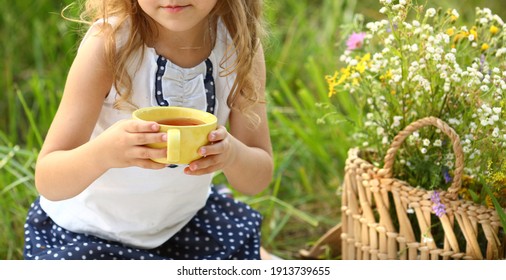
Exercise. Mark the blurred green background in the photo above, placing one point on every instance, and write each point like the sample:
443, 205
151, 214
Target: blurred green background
37, 48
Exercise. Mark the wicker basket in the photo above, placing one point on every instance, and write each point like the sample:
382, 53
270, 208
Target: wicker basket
376, 224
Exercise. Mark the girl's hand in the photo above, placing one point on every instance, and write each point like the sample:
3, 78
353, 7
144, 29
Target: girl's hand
216, 156
123, 144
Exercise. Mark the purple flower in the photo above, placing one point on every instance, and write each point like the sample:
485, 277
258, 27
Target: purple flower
438, 207
389, 30
355, 40
446, 175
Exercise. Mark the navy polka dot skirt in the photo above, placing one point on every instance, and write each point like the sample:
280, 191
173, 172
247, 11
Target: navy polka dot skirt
223, 229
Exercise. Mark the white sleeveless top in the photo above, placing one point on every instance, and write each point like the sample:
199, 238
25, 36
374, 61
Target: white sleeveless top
142, 207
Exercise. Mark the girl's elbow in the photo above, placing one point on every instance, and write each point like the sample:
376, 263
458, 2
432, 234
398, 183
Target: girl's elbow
42, 189
263, 183
45, 187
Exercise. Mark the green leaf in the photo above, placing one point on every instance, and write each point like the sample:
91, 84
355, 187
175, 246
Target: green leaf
498, 208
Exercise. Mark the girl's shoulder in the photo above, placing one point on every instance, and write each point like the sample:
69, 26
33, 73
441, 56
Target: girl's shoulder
104, 26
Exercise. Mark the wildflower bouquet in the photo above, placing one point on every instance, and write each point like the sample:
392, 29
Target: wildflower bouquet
420, 63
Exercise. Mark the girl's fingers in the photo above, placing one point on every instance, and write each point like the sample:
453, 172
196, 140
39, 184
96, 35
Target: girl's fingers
200, 171
203, 166
218, 134
212, 149
141, 152
136, 126
148, 138
143, 132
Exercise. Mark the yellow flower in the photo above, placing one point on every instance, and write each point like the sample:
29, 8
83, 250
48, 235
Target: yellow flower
366, 57
474, 33
331, 80
494, 29
386, 76
454, 15
488, 202
362, 64
498, 178
361, 67
464, 193
484, 47
460, 35
450, 31
346, 73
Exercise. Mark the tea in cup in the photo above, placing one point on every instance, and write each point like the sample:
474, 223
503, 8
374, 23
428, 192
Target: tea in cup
187, 130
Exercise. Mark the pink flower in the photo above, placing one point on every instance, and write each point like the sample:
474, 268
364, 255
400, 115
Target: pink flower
355, 40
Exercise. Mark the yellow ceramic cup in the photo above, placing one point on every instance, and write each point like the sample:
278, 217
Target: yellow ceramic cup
187, 130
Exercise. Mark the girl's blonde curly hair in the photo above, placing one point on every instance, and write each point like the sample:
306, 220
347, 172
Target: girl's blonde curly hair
242, 18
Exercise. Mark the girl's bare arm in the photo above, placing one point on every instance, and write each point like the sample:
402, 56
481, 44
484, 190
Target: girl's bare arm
68, 161
245, 153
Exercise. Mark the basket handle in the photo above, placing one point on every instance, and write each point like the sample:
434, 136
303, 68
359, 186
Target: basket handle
414, 126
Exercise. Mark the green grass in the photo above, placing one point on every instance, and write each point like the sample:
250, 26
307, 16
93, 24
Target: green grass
38, 46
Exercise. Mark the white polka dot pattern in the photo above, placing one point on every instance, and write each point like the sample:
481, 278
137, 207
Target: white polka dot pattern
224, 229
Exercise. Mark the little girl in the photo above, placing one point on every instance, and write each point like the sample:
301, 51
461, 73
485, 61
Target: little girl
101, 197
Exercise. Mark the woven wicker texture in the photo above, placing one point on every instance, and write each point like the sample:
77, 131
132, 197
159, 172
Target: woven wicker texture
376, 223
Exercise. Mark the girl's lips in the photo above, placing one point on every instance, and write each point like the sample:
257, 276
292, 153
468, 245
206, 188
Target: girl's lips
174, 9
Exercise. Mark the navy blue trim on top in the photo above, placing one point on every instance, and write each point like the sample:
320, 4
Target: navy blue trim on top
209, 85
162, 63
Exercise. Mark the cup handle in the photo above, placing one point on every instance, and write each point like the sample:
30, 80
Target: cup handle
173, 145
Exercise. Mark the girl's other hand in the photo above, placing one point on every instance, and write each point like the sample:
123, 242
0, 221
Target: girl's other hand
215, 156
123, 144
